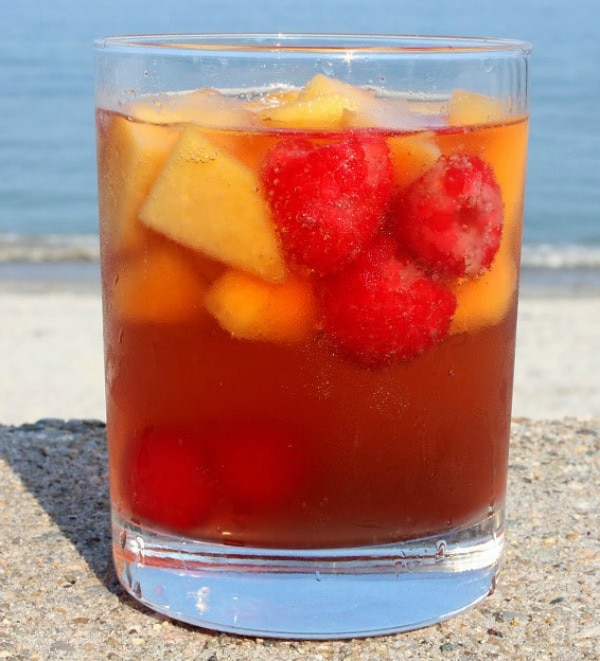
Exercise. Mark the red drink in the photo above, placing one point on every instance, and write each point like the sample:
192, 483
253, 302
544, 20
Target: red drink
238, 412
310, 291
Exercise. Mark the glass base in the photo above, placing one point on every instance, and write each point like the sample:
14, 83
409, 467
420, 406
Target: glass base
310, 594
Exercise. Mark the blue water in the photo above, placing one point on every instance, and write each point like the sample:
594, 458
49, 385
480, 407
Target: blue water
47, 151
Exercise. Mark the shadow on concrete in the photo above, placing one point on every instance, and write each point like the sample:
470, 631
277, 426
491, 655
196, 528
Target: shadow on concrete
64, 465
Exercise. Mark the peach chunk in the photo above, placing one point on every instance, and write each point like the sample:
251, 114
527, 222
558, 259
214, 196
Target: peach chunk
485, 300
252, 309
209, 201
205, 107
322, 104
161, 286
130, 158
363, 107
412, 155
467, 108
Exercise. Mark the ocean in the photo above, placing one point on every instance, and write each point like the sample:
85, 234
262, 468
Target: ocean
47, 151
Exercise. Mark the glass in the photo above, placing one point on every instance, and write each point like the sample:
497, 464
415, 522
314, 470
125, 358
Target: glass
310, 252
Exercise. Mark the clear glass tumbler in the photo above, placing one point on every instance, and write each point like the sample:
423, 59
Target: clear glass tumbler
310, 254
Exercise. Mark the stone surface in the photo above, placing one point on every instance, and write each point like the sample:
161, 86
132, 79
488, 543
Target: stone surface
59, 598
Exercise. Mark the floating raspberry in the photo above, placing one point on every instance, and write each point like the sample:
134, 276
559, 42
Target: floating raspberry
170, 483
451, 218
383, 309
328, 200
257, 464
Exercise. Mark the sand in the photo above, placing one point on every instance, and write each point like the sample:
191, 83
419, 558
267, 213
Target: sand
51, 350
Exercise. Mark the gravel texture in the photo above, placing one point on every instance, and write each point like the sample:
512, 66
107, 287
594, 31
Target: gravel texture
59, 598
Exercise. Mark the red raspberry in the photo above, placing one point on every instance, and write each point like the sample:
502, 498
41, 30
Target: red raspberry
169, 482
383, 309
451, 218
257, 464
328, 200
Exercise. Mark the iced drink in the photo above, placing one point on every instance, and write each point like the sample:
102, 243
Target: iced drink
310, 300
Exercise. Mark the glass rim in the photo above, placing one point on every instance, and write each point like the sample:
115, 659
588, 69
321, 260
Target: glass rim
257, 42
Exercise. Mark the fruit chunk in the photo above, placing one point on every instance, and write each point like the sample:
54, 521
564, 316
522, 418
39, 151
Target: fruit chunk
470, 108
170, 483
205, 107
211, 202
160, 286
329, 103
412, 156
322, 85
383, 309
216, 113
252, 309
131, 157
451, 217
367, 107
484, 301
257, 465
328, 201
319, 105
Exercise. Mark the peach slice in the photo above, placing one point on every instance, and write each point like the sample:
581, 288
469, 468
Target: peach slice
412, 155
485, 300
130, 158
467, 108
329, 103
159, 287
322, 104
205, 107
252, 309
364, 107
209, 201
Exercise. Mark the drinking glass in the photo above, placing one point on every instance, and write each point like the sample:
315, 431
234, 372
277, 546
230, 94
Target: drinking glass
310, 254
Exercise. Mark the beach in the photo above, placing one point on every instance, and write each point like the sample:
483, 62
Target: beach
51, 345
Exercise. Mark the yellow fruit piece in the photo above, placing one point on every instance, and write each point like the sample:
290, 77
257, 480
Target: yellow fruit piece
130, 158
484, 301
470, 108
329, 103
209, 201
322, 85
322, 104
324, 112
252, 309
365, 107
160, 286
412, 155
205, 107
246, 146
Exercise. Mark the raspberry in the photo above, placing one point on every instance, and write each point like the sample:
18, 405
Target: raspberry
169, 483
382, 308
257, 464
328, 200
451, 217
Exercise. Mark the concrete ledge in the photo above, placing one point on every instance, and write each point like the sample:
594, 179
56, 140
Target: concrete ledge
59, 598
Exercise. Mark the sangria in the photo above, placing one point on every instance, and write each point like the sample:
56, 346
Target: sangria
310, 297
